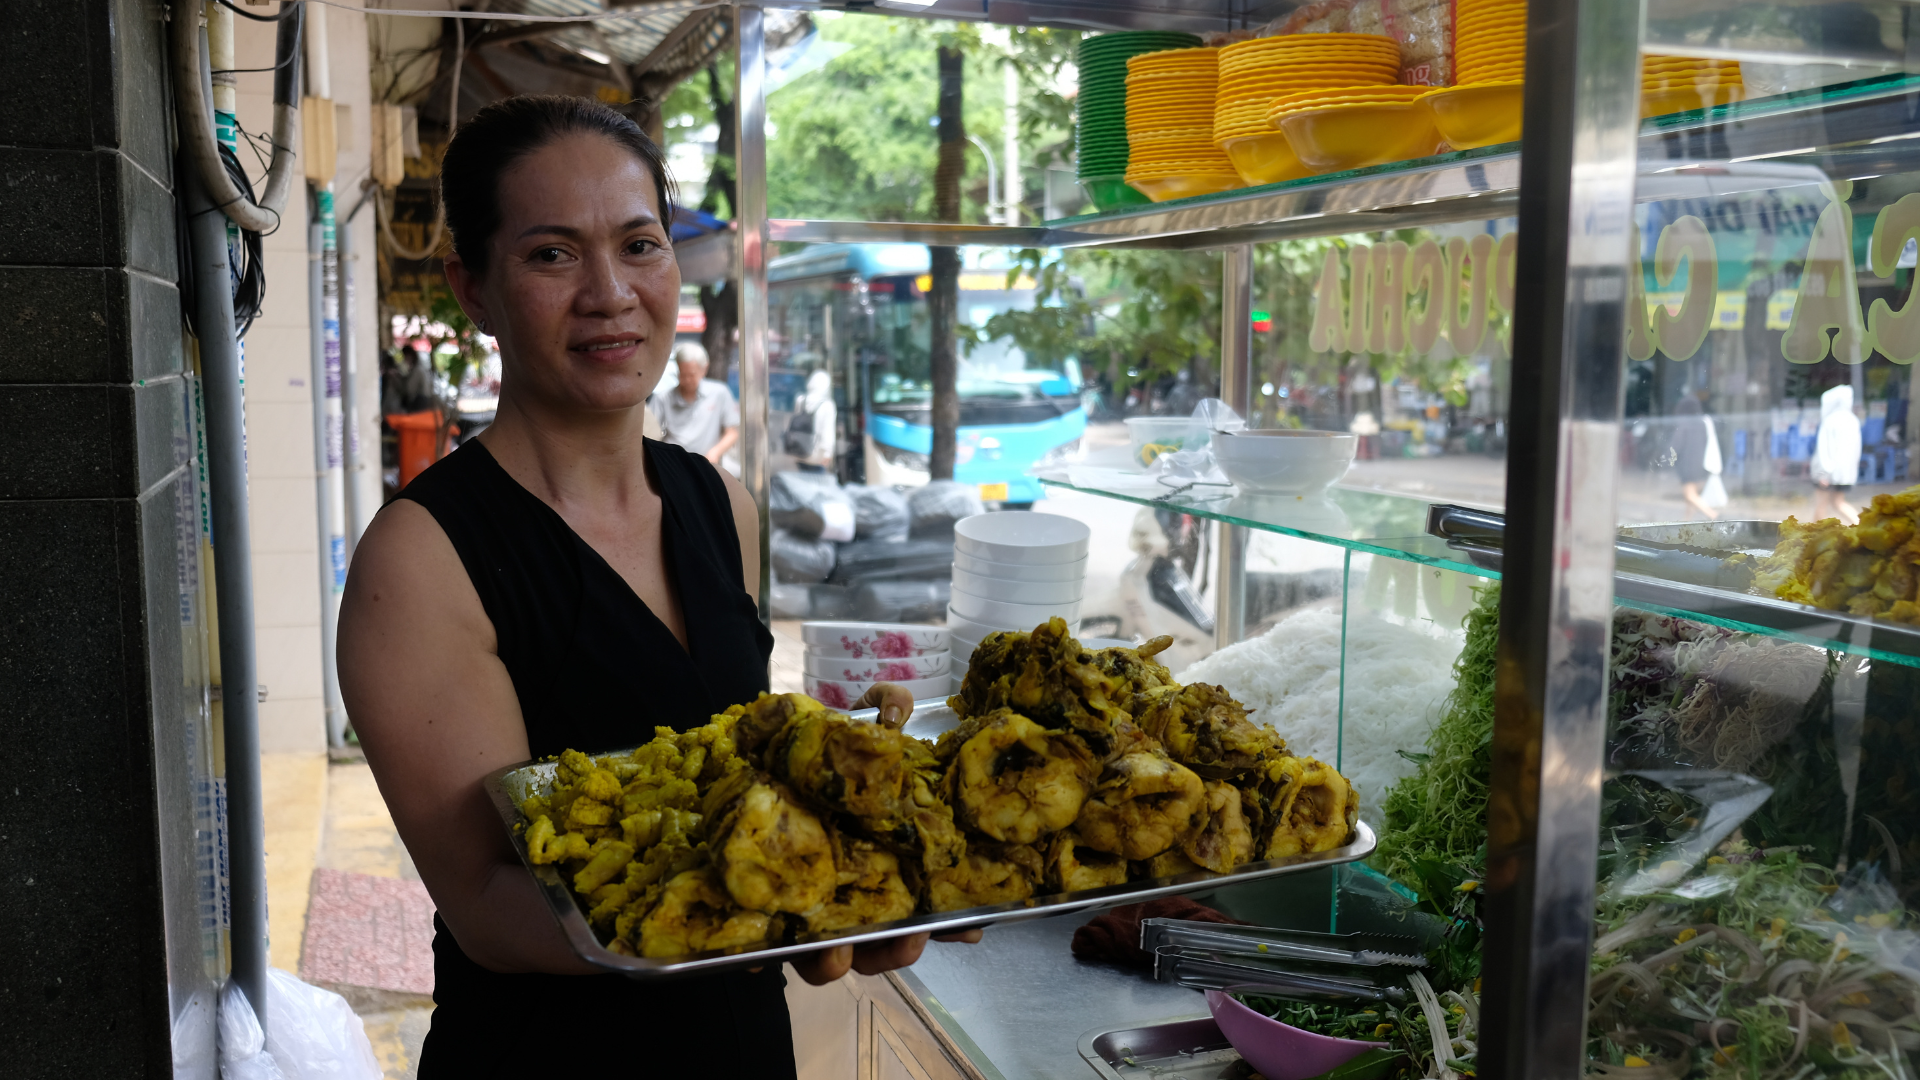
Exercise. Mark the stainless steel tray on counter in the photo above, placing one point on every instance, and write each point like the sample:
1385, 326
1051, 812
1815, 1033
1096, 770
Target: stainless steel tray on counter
1675, 579
508, 787
1187, 1048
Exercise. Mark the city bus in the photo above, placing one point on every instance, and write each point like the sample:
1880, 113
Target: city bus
859, 311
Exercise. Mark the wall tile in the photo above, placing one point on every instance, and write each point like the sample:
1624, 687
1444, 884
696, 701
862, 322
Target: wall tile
49, 105
63, 325
279, 438
147, 233
153, 316
292, 725
160, 426
282, 515
141, 120
66, 442
289, 659
286, 588
53, 203
69, 611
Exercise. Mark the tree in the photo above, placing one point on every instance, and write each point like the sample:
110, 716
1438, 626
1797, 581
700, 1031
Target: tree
943, 299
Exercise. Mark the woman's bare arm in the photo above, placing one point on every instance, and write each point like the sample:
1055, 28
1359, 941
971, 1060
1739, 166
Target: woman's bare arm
436, 711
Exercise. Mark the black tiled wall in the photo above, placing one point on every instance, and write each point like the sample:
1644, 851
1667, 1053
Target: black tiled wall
104, 742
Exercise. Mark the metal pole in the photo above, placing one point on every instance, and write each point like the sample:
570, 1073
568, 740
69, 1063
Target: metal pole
1236, 378
1010, 146
351, 465
750, 167
233, 581
323, 313
1556, 606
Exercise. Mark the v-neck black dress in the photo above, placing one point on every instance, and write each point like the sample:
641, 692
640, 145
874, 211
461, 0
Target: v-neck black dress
596, 670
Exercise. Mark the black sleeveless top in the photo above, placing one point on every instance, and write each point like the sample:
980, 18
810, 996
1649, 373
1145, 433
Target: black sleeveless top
596, 670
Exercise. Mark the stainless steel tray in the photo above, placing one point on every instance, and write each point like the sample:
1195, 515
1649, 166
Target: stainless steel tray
509, 786
1184, 1048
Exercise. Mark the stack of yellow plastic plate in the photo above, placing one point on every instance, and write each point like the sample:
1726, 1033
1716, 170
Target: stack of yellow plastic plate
1170, 149
1354, 127
1253, 73
1489, 41
1670, 84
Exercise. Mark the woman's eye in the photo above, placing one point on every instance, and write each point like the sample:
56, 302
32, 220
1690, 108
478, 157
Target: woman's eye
549, 254
643, 247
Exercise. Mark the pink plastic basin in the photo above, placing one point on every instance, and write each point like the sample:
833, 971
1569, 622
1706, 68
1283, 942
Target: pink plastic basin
1280, 1051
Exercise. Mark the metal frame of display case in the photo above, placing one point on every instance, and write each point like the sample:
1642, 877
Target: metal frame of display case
1573, 189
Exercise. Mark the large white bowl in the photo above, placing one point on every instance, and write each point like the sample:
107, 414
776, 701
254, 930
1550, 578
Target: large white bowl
837, 694
1013, 571
848, 669
1022, 536
1284, 461
1017, 592
1011, 616
861, 640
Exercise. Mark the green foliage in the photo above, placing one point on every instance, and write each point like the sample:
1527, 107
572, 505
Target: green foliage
1439, 814
855, 139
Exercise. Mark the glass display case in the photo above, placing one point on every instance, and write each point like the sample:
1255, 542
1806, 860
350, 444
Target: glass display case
1631, 403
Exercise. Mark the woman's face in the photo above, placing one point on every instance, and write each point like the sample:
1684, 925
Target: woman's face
581, 291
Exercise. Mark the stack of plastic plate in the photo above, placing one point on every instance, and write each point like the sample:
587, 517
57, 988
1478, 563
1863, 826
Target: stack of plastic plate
1101, 135
1013, 570
1670, 84
844, 659
1253, 73
1356, 127
1489, 41
1489, 63
1170, 148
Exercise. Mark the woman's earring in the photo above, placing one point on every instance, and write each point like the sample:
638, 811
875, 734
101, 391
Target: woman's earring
483, 327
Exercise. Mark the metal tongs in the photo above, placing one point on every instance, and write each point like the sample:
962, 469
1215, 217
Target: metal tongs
1482, 535
1284, 963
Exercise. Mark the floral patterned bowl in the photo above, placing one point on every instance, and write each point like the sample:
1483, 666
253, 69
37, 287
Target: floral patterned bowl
835, 694
873, 641
905, 669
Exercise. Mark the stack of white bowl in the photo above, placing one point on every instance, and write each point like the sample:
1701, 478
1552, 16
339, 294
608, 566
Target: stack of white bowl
1013, 570
844, 659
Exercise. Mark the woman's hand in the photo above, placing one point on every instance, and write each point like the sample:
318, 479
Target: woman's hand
895, 703
827, 965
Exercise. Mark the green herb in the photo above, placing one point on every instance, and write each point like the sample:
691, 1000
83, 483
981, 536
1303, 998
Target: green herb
1409, 1052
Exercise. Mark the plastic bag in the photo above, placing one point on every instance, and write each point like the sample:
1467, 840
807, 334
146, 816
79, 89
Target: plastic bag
935, 507
902, 601
1423, 29
243, 1046
812, 505
798, 560
884, 560
879, 513
313, 1034
1714, 494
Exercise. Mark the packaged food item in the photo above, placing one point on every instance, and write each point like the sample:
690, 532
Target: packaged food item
1424, 29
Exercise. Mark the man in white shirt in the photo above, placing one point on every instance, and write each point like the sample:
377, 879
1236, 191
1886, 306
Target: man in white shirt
698, 414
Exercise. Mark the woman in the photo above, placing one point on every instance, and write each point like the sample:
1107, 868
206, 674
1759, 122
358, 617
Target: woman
560, 581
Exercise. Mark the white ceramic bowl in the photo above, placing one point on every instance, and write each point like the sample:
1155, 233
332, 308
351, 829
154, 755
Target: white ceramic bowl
1152, 436
1016, 592
863, 640
1284, 461
962, 653
1008, 571
837, 694
1022, 536
1011, 616
847, 669
970, 631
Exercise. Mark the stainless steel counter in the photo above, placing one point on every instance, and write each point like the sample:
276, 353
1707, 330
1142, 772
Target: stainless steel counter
1017, 1003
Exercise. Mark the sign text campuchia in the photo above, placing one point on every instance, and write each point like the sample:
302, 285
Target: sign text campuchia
1399, 297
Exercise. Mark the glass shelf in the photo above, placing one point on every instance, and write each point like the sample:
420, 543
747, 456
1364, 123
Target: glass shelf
1394, 526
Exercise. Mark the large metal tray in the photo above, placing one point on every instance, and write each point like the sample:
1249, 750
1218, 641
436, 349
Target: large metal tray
509, 786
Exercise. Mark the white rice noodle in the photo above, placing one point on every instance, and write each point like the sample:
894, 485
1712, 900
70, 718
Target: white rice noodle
1289, 679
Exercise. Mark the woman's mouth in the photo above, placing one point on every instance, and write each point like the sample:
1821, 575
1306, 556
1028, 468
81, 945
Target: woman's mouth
608, 349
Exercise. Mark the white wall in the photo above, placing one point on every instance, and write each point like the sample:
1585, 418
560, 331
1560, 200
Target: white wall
280, 457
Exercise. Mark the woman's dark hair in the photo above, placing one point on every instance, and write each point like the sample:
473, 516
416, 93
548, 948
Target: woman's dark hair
485, 147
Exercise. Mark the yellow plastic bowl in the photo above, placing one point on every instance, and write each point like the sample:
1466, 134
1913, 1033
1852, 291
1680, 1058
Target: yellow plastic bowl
1267, 158
1183, 185
1470, 117
1355, 136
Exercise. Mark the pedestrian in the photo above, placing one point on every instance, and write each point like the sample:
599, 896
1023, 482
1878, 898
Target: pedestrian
561, 582
810, 437
1836, 457
698, 414
1696, 457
